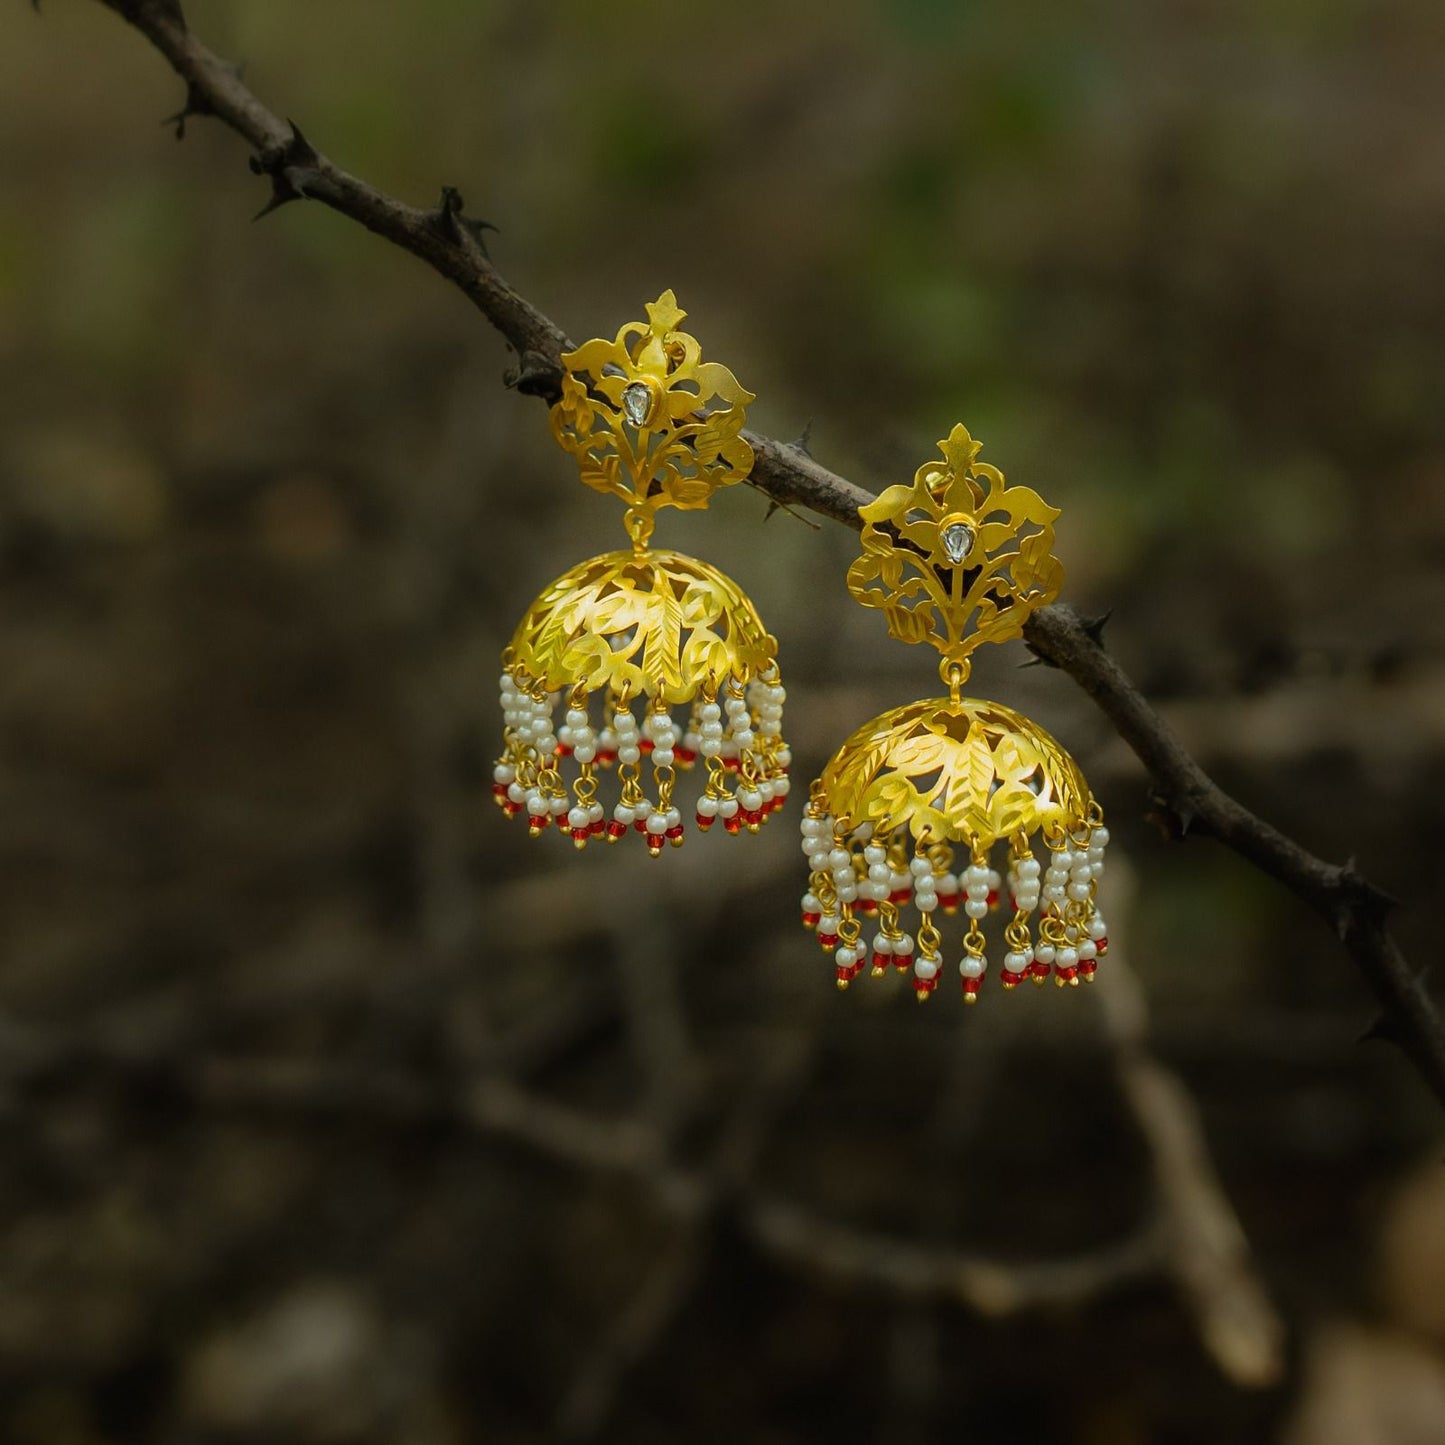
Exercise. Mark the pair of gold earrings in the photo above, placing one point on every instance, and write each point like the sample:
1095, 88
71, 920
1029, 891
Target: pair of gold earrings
935, 805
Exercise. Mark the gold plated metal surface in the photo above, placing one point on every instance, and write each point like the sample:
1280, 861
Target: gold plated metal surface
913, 807
966, 770
650, 624
957, 558
649, 421
620, 640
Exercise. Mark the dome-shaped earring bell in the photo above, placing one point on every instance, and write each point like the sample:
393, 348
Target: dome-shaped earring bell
937, 805
655, 659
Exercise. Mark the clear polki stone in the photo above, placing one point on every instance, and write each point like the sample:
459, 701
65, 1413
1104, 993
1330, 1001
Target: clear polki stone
957, 539
637, 402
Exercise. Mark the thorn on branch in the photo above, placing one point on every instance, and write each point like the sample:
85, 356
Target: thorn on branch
536, 374
289, 166
1360, 899
196, 104
1384, 1029
1094, 627
804, 437
1173, 820
458, 225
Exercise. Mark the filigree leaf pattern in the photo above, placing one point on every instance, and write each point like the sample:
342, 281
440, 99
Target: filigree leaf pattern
649, 421
961, 770
1006, 568
655, 623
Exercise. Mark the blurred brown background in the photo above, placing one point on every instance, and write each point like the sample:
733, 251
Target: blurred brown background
267, 517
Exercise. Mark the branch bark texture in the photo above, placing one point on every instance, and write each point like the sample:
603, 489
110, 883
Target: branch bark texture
451, 243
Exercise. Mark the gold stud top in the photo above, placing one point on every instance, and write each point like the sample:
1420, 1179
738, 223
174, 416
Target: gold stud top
649, 421
957, 558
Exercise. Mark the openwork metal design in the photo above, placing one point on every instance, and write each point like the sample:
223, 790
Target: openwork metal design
911, 809
948, 559
623, 639
649, 420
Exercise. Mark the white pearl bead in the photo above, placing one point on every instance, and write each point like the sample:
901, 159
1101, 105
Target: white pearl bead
628, 754
1097, 928
781, 787
1015, 962
516, 793
1099, 838
1088, 949
925, 968
883, 944
976, 908
536, 805
919, 866
1081, 873
578, 818
1068, 957
623, 814
925, 902
727, 808
656, 823
903, 946
558, 806
576, 718
839, 859
662, 757
584, 752
1044, 953
504, 773
846, 957
706, 807
1079, 892
972, 966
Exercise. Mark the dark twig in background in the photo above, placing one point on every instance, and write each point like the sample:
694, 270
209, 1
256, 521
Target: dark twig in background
451, 243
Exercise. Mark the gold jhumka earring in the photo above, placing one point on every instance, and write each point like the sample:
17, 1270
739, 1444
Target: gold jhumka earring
911, 809
623, 640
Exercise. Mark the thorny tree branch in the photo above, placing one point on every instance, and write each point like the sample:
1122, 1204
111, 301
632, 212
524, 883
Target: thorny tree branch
451, 244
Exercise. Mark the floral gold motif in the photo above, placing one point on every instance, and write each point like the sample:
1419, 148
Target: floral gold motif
972, 771
957, 557
649, 421
653, 624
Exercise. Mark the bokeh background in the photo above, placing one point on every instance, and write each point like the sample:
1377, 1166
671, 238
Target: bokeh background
267, 517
